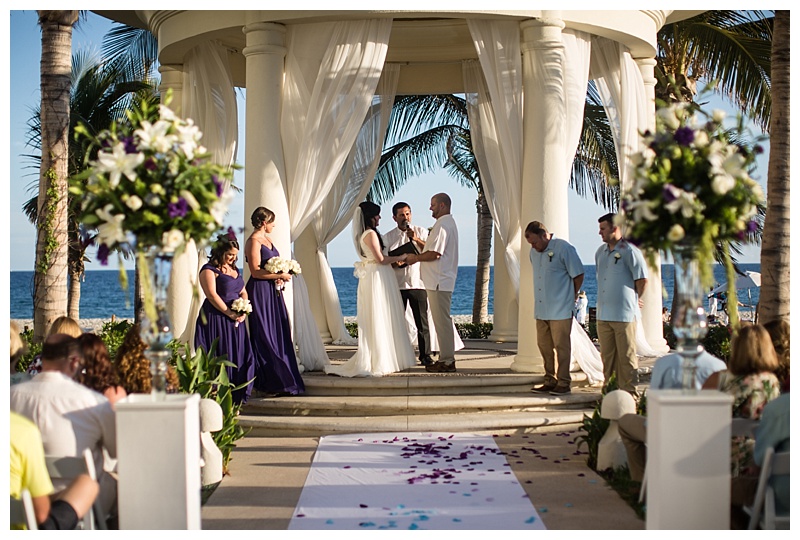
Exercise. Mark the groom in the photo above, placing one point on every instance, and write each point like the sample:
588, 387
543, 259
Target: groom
439, 270
557, 279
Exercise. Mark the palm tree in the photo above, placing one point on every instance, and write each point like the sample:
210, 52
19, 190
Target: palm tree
50, 277
99, 95
775, 301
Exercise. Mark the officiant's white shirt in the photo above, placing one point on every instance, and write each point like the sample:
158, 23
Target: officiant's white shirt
408, 277
443, 239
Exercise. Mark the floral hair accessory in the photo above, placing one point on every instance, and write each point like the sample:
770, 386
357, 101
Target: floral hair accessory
231, 234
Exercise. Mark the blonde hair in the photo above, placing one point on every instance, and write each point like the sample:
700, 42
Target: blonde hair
752, 352
18, 345
65, 325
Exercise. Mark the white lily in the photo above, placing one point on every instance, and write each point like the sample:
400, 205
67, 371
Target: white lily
722, 183
669, 118
117, 162
133, 202
154, 136
685, 204
171, 239
190, 200
643, 210
188, 136
110, 232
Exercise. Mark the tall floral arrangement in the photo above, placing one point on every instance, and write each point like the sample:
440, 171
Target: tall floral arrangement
150, 186
692, 187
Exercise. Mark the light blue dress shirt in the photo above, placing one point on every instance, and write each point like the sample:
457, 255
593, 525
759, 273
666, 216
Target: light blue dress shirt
617, 270
667, 371
773, 431
553, 288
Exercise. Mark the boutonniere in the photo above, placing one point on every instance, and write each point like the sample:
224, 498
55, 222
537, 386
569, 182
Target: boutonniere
617, 257
550, 254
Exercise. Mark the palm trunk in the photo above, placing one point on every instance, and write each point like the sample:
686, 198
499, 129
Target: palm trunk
76, 269
480, 299
774, 302
50, 282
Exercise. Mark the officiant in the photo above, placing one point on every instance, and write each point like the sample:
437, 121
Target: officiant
408, 238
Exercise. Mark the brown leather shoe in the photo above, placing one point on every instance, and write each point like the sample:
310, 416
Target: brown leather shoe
441, 367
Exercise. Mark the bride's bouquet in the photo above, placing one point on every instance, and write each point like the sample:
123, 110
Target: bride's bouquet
242, 306
279, 265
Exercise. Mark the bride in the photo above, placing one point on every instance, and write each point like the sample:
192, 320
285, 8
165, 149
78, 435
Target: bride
383, 344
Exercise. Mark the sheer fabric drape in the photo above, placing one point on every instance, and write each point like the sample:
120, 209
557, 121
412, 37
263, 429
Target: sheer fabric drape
621, 87
331, 74
494, 98
209, 99
349, 189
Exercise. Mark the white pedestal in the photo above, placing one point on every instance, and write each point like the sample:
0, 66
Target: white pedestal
158, 450
688, 459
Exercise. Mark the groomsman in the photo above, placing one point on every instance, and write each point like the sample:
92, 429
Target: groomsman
621, 279
557, 279
412, 290
439, 270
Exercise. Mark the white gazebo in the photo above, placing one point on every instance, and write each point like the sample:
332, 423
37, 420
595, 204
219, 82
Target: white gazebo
320, 84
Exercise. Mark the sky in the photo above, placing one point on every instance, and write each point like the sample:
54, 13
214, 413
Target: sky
21, 94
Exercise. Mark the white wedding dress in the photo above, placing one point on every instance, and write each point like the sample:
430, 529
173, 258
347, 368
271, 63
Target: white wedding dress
383, 344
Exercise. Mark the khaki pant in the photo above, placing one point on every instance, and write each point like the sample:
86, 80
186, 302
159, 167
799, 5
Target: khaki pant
443, 323
556, 347
618, 350
633, 432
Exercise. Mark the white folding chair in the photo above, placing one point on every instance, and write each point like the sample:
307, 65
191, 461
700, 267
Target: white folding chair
762, 512
22, 511
67, 468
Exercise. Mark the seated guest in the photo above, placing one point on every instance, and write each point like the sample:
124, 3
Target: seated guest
750, 379
61, 511
667, 373
98, 372
133, 367
70, 416
62, 325
18, 350
779, 334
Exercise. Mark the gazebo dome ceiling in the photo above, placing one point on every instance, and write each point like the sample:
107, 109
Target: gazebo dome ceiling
429, 44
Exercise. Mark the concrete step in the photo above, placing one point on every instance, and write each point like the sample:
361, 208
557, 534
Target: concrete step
304, 426
389, 405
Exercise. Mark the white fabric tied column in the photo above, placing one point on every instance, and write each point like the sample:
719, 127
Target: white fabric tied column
209, 100
622, 90
331, 73
349, 189
494, 105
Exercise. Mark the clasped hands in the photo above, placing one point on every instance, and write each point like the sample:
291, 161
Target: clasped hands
283, 278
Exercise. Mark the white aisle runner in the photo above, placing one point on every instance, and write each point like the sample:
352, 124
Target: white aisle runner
412, 481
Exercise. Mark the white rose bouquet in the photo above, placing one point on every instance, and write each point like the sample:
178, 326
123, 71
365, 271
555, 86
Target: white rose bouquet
279, 265
242, 306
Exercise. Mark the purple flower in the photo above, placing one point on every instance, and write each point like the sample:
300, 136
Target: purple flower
670, 193
151, 164
130, 146
178, 209
758, 149
752, 226
684, 136
218, 185
102, 254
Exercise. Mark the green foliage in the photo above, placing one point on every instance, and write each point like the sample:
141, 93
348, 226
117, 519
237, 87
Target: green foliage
474, 331
34, 349
352, 329
591, 329
113, 333
620, 481
718, 342
47, 222
595, 426
205, 374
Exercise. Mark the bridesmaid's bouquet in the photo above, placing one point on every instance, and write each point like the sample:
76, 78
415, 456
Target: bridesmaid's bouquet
279, 265
242, 306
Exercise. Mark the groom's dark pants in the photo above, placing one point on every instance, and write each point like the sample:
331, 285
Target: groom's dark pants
418, 299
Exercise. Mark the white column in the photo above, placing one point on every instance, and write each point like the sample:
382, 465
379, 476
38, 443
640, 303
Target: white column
688, 460
544, 171
653, 300
264, 169
172, 79
305, 250
506, 308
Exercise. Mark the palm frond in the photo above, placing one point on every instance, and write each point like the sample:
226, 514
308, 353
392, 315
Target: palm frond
134, 51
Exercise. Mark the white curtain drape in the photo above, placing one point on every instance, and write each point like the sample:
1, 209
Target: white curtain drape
494, 98
331, 73
209, 99
621, 87
349, 189
577, 56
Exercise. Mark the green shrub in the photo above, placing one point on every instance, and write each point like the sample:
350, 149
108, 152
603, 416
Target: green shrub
205, 374
113, 333
718, 342
34, 349
474, 331
352, 328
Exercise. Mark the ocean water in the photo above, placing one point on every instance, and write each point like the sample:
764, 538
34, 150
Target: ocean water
102, 296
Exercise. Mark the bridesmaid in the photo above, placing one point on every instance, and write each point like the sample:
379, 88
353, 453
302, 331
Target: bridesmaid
270, 335
222, 284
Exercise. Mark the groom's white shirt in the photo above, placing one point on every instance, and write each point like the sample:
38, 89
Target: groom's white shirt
443, 239
408, 276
